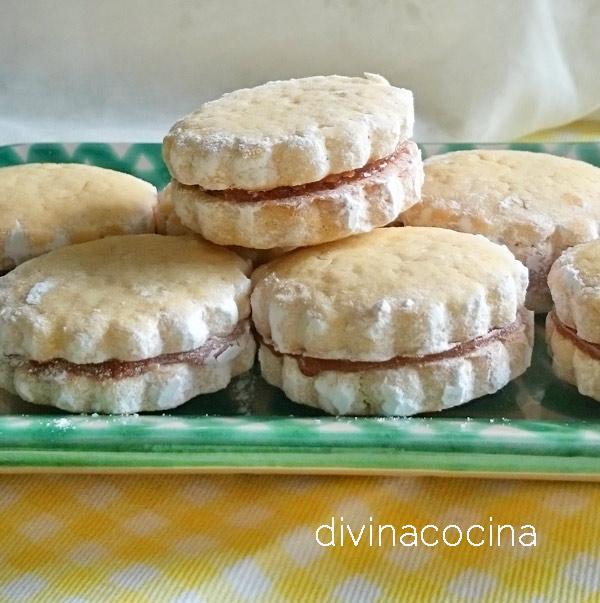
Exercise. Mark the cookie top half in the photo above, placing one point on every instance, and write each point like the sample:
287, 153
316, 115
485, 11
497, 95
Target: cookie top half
47, 205
519, 198
287, 133
129, 297
391, 292
575, 286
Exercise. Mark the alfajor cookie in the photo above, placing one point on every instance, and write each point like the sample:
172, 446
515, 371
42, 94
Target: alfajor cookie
573, 327
397, 321
125, 324
536, 204
295, 163
47, 205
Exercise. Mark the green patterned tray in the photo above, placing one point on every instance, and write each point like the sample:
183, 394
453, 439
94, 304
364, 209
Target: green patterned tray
535, 427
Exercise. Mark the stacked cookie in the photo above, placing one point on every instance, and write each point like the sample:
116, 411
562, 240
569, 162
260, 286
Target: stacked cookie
295, 163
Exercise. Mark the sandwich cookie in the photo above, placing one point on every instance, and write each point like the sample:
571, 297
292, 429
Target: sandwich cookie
573, 327
48, 205
125, 324
397, 321
535, 204
295, 163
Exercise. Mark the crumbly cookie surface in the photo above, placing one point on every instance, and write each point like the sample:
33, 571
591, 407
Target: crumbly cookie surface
291, 132
536, 204
124, 298
390, 292
48, 205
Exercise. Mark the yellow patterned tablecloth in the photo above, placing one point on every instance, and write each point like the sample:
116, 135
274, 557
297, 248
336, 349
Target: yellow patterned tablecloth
245, 538
186, 538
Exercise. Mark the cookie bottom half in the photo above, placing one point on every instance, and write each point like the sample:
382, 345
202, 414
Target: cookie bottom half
409, 389
571, 361
160, 387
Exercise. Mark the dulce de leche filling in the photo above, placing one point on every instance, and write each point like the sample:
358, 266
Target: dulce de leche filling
591, 349
120, 369
401, 157
313, 366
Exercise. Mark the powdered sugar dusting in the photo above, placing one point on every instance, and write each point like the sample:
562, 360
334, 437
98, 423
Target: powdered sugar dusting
16, 245
37, 292
62, 424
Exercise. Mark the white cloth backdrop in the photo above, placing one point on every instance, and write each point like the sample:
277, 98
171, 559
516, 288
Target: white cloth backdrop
124, 70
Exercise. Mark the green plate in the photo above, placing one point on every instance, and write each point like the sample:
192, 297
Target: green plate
535, 427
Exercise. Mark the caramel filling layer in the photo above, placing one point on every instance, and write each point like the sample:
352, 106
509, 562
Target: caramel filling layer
591, 349
401, 156
120, 369
313, 366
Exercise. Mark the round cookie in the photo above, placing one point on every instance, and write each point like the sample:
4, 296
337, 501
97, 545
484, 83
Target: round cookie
125, 323
536, 204
573, 327
295, 163
397, 321
48, 205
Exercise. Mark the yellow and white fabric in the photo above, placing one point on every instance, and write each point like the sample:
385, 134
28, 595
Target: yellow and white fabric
188, 539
